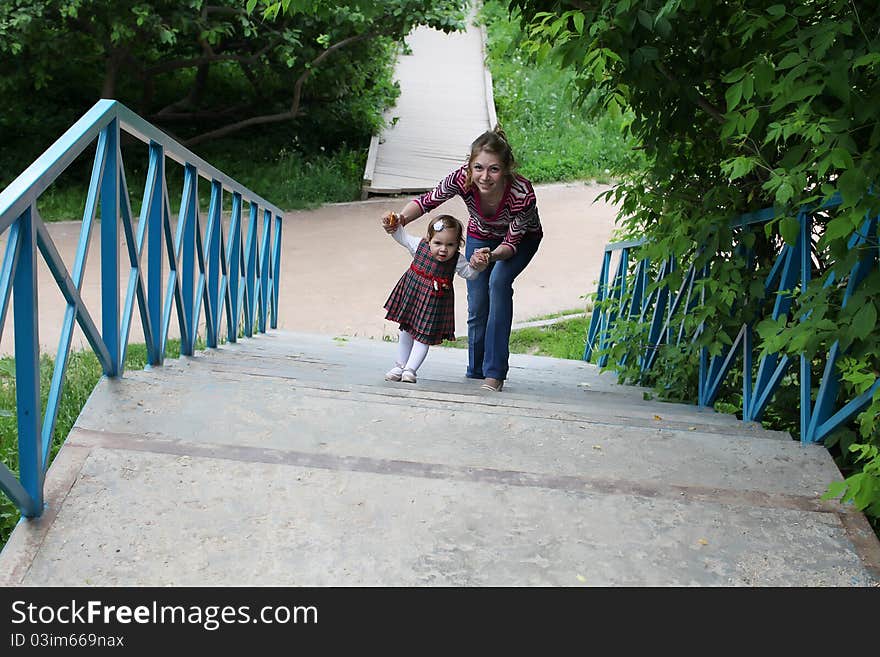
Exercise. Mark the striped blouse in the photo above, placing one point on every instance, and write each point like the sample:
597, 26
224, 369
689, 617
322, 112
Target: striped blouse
516, 216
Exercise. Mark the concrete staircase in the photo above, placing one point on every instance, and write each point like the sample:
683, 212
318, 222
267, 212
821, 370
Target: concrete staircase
287, 460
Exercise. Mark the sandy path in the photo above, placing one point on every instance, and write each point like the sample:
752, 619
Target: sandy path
338, 266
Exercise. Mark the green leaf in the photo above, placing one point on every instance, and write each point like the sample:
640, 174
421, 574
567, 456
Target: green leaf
763, 73
841, 158
835, 490
864, 321
741, 166
749, 121
734, 76
784, 192
776, 10
791, 60
790, 229
733, 95
836, 228
731, 125
748, 87
664, 27
646, 19
866, 60
578, 18
852, 185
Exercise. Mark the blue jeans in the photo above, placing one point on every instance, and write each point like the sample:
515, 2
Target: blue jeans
490, 309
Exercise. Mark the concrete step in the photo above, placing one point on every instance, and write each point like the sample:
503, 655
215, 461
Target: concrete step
293, 448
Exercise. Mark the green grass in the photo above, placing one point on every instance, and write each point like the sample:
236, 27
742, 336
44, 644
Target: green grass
563, 339
561, 313
552, 138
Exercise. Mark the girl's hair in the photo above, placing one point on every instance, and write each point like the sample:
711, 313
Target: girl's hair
448, 221
495, 142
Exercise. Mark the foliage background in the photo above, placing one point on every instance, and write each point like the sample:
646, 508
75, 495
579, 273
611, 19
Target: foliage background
283, 90
740, 105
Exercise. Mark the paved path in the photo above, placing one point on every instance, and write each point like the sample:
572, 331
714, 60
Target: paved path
286, 460
338, 266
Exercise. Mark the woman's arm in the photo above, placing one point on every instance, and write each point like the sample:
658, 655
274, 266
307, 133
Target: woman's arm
524, 221
452, 185
411, 211
501, 252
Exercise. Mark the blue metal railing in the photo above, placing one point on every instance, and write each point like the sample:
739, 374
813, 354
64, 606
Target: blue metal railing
792, 269
231, 277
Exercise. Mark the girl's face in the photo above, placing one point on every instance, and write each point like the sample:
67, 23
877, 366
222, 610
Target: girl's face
487, 172
444, 244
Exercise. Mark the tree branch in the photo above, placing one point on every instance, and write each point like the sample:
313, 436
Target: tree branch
200, 115
297, 87
294, 104
709, 108
176, 64
240, 125
197, 89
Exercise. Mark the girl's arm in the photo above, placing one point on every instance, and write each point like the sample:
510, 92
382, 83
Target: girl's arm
406, 240
464, 269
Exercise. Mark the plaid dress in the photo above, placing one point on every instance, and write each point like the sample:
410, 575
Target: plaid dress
423, 301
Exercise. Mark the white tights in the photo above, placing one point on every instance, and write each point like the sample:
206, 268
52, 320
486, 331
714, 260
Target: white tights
410, 353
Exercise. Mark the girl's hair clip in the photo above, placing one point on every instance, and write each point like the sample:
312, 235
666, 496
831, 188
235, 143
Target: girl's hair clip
439, 225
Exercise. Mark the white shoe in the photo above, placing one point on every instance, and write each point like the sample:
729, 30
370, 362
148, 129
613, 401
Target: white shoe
394, 373
408, 376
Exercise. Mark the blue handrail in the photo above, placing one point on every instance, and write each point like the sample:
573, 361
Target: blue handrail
792, 269
229, 277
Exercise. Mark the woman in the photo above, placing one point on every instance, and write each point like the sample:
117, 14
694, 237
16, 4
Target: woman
504, 230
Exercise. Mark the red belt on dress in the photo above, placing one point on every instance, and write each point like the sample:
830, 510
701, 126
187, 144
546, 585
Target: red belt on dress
440, 284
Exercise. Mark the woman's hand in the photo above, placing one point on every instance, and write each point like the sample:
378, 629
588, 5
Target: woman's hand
390, 222
480, 258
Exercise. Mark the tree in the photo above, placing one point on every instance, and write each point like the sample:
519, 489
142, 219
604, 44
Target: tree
206, 70
741, 105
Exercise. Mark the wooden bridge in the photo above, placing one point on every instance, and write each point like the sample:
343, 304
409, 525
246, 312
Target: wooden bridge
445, 102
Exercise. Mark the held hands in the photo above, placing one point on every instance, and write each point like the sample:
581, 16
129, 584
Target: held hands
480, 258
390, 222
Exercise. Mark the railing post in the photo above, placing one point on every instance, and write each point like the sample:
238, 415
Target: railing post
806, 376
747, 372
265, 268
234, 269
276, 270
598, 312
110, 248
27, 367
212, 264
188, 210
155, 230
251, 272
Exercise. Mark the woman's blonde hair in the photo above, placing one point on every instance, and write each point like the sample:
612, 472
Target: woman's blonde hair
495, 142
447, 221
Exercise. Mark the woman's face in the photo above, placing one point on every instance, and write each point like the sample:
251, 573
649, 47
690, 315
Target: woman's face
444, 244
487, 172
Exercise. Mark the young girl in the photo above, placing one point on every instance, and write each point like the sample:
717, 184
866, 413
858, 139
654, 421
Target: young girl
423, 301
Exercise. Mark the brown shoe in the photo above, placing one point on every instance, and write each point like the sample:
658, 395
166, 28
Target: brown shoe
494, 385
